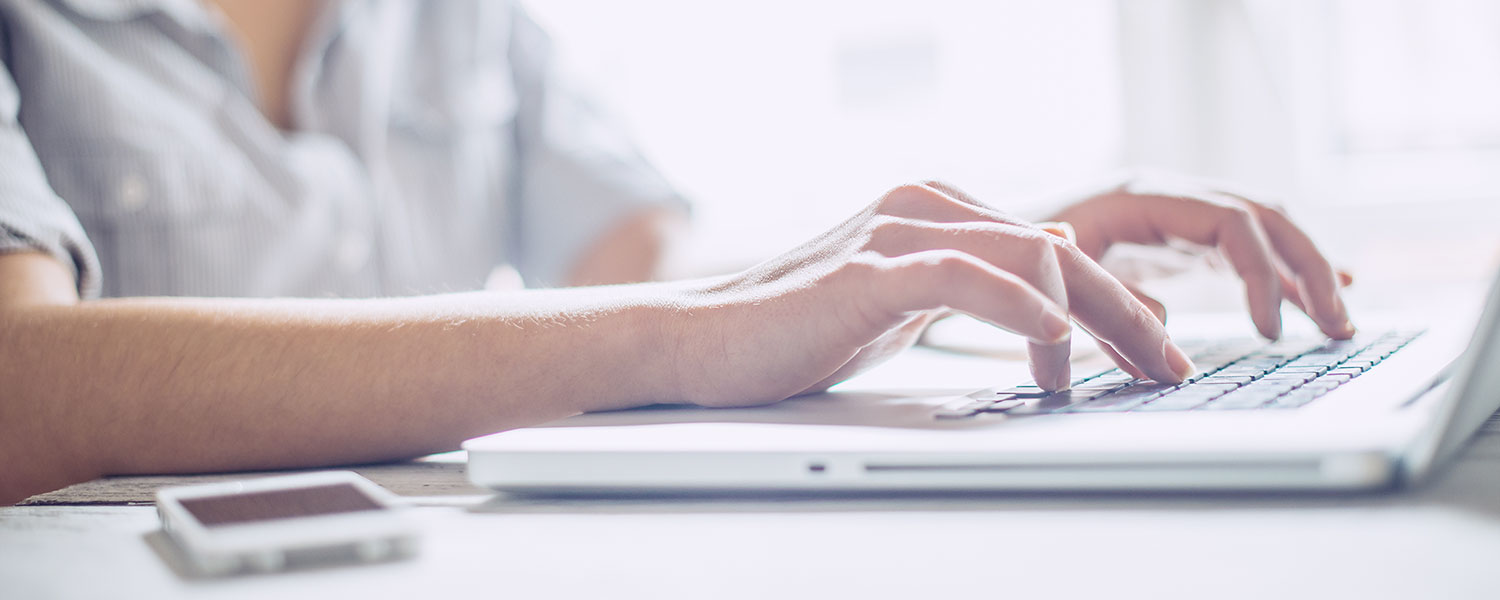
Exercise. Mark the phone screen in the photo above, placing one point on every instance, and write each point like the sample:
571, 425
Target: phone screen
279, 504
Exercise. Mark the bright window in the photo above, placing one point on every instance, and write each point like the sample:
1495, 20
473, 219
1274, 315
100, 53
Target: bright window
782, 117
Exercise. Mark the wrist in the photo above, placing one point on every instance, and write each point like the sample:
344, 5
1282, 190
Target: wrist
691, 335
648, 348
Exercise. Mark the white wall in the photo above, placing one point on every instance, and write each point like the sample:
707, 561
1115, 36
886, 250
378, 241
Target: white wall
782, 117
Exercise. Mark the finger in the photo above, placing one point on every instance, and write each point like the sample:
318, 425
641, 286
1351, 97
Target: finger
956, 193
1021, 251
1231, 227
935, 279
1295, 296
932, 202
928, 203
1157, 309
1061, 229
988, 212
1101, 304
1049, 363
1107, 310
1291, 290
1346, 279
1317, 280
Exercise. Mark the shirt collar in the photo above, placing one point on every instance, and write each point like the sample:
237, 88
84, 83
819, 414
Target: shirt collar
123, 10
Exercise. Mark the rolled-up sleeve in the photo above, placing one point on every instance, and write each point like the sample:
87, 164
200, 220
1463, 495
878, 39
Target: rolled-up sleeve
32, 216
579, 173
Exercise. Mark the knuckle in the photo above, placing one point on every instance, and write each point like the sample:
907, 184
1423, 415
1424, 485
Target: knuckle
949, 266
937, 184
1036, 246
863, 265
904, 197
1237, 214
1063, 249
882, 230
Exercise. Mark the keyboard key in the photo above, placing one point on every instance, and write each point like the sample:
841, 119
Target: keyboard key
1341, 347
1023, 391
1294, 399
1295, 379
1320, 360
1054, 401
1290, 348
1315, 370
961, 408
1037, 406
1227, 379
1275, 388
1177, 401
1124, 399
1209, 388
1240, 400
1115, 377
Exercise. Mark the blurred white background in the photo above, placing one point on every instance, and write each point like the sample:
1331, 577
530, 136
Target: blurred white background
1376, 121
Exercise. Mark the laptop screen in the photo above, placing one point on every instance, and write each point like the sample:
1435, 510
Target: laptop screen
1473, 394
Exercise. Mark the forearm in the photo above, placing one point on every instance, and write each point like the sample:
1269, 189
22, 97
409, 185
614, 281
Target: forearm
173, 385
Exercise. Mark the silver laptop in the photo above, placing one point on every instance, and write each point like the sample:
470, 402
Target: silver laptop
1378, 411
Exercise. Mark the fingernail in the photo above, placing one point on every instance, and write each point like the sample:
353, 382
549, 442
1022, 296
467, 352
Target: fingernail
1056, 326
1180, 364
1347, 328
1063, 379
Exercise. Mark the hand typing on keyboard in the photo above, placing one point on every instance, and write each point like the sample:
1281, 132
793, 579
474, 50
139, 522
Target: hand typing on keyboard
1276, 260
925, 249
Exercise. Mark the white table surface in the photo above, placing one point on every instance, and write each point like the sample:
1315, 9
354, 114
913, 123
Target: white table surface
1439, 541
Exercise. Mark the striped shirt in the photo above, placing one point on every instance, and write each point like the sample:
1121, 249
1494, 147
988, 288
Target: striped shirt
431, 142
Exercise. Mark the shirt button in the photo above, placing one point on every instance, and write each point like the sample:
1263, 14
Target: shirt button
131, 194
353, 251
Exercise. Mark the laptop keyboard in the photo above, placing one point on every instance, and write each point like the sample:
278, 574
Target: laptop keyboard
1237, 376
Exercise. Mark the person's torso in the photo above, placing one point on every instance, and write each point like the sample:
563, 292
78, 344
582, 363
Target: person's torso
393, 181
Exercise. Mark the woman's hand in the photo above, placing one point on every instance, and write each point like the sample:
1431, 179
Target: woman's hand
1275, 258
850, 298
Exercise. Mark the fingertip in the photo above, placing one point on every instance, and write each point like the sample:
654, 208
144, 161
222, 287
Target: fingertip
1268, 322
1052, 380
1339, 326
1271, 329
1343, 331
1064, 377
1265, 310
1177, 360
1050, 366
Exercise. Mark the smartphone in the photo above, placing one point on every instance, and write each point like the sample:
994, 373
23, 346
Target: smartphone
271, 523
